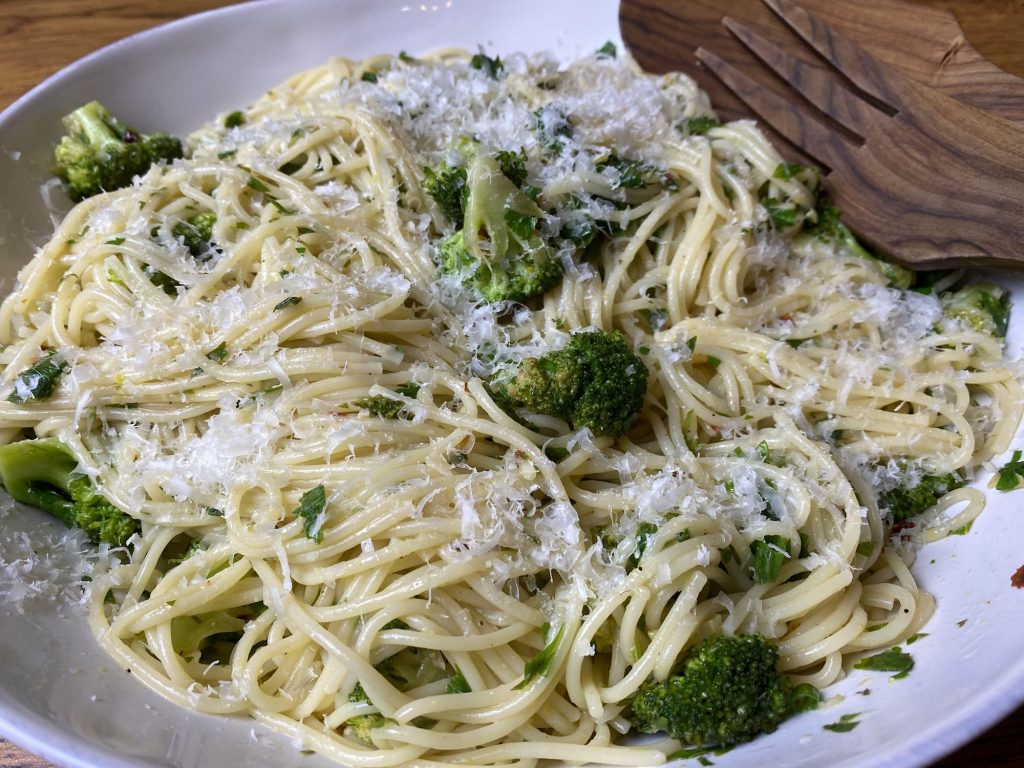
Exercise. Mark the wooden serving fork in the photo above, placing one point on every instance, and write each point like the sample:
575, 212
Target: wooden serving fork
919, 174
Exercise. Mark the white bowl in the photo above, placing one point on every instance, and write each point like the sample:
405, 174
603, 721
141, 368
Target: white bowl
63, 699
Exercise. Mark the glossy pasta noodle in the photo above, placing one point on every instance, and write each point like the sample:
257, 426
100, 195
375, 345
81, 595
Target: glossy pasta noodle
789, 386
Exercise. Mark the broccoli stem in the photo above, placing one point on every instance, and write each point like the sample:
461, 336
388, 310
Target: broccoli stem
37, 473
41, 473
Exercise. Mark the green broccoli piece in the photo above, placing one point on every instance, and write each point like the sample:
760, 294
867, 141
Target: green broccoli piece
196, 231
447, 185
100, 153
362, 725
194, 634
41, 473
596, 382
908, 501
983, 306
830, 229
726, 691
38, 381
499, 251
387, 407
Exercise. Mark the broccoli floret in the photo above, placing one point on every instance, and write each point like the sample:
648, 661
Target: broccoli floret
447, 185
100, 153
362, 725
983, 306
727, 691
195, 232
41, 473
830, 229
909, 501
596, 382
499, 251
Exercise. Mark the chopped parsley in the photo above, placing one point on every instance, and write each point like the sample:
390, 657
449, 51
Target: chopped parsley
541, 663
311, 507
1011, 474
39, 381
218, 353
259, 186
845, 724
485, 63
698, 126
893, 660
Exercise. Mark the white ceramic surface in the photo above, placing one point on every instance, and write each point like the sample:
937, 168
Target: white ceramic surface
59, 695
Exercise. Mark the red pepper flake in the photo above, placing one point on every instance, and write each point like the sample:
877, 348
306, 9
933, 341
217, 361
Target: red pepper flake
1017, 580
900, 526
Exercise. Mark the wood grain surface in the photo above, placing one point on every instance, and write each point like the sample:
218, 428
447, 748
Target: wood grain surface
38, 37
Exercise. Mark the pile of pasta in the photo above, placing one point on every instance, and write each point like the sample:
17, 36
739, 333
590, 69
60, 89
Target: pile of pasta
310, 563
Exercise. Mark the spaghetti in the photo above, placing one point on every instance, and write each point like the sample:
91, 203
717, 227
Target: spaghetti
436, 583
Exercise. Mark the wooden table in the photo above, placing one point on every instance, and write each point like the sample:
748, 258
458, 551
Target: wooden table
38, 37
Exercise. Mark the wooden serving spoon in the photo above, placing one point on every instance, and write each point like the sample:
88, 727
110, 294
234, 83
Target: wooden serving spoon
923, 141
923, 42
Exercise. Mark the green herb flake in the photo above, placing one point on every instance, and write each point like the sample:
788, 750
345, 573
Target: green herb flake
689, 753
259, 186
1011, 474
115, 241
457, 684
607, 51
692, 343
914, 638
369, 77
234, 119
866, 548
698, 126
311, 507
226, 154
845, 724
962, 530
961, 622
541, 663
214, 512
714, 362
782, 217
769, 555
787, 171
485, 63
218, 353
39, 381
291, 301
893, 660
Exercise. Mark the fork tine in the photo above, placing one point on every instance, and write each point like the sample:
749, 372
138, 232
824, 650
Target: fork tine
827, 146
812, 82
846, 56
